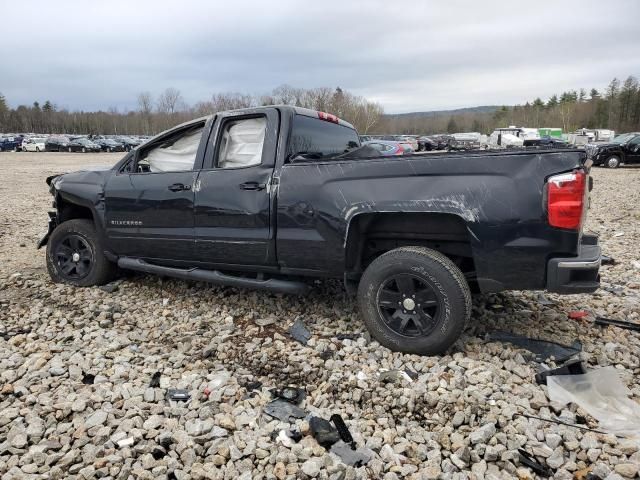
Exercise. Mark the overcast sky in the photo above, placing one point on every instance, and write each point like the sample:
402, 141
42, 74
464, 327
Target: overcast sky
409, 56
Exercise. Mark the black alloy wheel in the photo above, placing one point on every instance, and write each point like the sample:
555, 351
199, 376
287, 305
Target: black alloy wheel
408, 305
74, 257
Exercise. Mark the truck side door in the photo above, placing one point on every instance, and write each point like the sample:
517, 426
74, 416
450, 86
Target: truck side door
149, 202
234, 195
632, 154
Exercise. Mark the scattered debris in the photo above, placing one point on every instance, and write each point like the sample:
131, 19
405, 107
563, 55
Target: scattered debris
284, 439
560, 422
158, 453
394, 376
324, 433
542, 300
607, 260
300, 332
178, 394
155, 380
252, 385
283, 410
290, 394
348, 336
351, 456
618, 234
602, 395
295, 434
88, 378
577, 314
618, 323
575, 367
110, 287
528, 460
543, 349
343, 430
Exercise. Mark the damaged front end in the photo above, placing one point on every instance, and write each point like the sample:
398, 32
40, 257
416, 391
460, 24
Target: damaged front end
53, 214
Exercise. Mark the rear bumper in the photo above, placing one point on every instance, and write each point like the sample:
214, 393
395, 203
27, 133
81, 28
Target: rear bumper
576, 274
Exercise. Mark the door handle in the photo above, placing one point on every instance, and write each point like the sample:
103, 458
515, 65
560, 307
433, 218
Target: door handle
178, 187
252, 186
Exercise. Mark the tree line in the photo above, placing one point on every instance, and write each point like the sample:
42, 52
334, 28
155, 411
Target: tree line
616, 108
155, 114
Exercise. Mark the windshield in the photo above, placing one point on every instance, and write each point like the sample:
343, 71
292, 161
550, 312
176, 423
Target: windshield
625, 137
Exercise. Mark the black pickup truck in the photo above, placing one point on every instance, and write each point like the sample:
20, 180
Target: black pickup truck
624, 148
266, 197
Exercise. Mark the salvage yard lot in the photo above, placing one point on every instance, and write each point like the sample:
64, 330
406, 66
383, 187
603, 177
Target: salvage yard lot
195, 335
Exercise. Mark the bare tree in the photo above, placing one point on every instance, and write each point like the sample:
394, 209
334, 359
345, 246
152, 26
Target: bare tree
169, 100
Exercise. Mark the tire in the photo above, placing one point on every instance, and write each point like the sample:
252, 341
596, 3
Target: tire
445, 290
612, 162
91, 267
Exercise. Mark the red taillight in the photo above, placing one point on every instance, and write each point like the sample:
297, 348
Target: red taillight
565, 199
327, 117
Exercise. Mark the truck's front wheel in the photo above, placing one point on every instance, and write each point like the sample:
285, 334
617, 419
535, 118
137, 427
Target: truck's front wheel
414, 300
75, 255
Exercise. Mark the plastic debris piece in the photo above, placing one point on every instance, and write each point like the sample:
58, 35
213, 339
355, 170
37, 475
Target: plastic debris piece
283, 410
577, 314
602, 395
290, 394
155, 380
607, 260
618, 323
178, 394
88, 378
294, 434
252, 385
348, 336
355, 458
324, 433
300, 332
158, 453
542, 300
528, 460
575, 367
394, 376
343, 430
560, 422
542, 349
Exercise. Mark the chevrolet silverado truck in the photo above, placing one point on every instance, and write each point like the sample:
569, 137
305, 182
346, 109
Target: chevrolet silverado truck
269, 197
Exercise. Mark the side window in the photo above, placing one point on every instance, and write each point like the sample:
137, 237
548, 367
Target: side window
241, 143
175, 154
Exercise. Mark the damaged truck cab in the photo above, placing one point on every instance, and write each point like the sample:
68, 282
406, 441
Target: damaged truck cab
266, 197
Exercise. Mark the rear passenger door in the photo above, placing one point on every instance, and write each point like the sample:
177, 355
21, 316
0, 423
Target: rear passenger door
633, 151
233, 194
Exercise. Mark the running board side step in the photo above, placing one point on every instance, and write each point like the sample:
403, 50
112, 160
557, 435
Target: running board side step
215, 277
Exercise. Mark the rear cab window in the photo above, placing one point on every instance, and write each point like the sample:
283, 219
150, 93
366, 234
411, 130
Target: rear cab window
313, 139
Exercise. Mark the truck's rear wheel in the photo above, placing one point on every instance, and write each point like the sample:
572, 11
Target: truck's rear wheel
414, 300
75, 255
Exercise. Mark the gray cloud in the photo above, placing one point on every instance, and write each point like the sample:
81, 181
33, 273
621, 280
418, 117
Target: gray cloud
408, 55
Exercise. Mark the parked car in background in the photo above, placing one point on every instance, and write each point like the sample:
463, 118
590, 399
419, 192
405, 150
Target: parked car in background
413, 145
467, 141
387, 148
426, 144
57, 143
83, 144
10, 143
624, 148
33, 144
109, 144
546, 142
442, 141
128, 143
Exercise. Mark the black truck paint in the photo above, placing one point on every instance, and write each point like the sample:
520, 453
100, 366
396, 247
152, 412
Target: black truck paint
331, 218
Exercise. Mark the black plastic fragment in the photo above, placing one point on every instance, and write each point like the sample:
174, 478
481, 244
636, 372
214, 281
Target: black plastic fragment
88, 378
290, 394
155, 380
528, 460
324, 433
252, 385
300, 332
158, 453
294, 434
542, 349
283, 410
575, 367
348, 336
618, 323
343, 430
178, 394
607, 260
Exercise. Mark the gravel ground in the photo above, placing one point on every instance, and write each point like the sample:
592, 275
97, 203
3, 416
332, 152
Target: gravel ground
76, 400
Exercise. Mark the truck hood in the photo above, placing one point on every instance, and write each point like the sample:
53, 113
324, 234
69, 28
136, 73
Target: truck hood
92, 174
